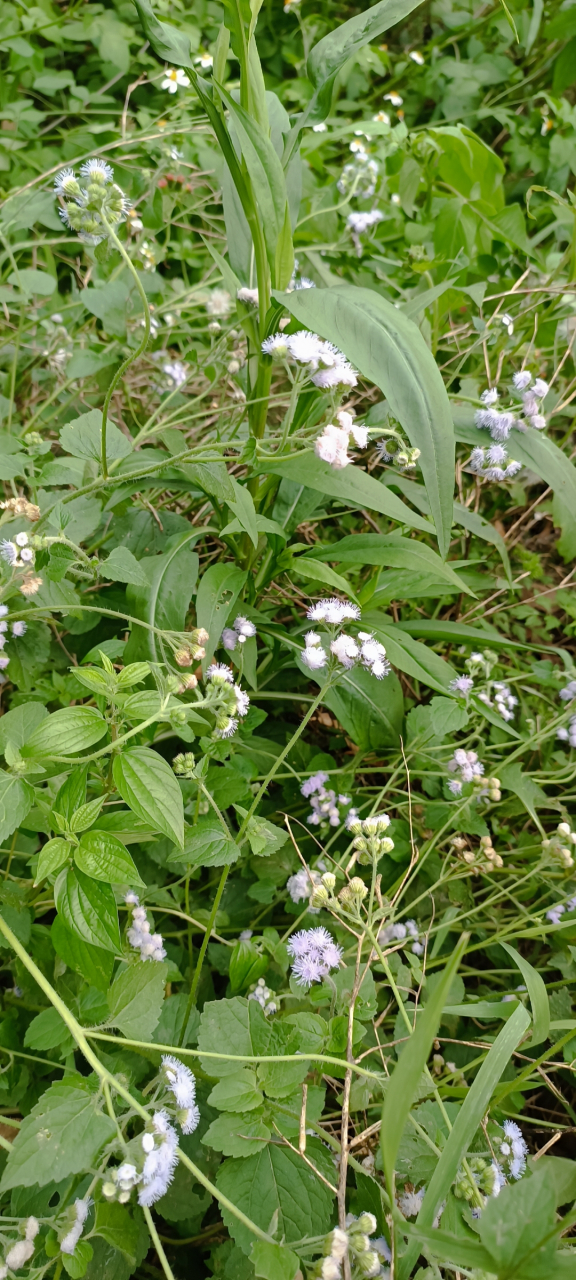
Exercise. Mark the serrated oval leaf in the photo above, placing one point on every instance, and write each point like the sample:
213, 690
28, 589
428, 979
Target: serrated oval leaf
149, 788
53, 855
65, 732
103, 857
88, 908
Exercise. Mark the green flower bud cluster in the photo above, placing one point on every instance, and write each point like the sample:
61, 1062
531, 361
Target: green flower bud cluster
352, 895
183, 764
93, 209
369, 839
482, 1176
322, 893
355, 1244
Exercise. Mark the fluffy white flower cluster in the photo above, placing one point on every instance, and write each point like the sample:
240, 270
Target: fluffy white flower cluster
410, 1202
568, 733
332, 446
91, 209
462, 685
81, 1211
500, 424
219, 303
315, 954
17, 552
18, 629
569, 692
360, 222
241, 631
398, 932
303, 883
467, 764
324, 804
21, 1252
182, 1084
323, 363
237, 703
263, 996
504, 700
347, 651
176, 372
160, 1147
359, 177
556, 912
493, 464
512, 1150
150, 945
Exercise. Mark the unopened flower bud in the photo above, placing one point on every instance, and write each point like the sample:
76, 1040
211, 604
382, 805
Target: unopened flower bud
369, 1263
183, 657
319, 897
367, 1223
329, 880
202, 635
358, 888
109, 1190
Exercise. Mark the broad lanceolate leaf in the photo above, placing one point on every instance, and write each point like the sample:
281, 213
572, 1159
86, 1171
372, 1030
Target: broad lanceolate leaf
352, 485
267, 179
514, 1227
166, 40
370, 710
394, 552
88, 908
17, 725
104, 857
114, 1223
538, 995
274, 1261
407, 1075
53, 855
389, 349
218, 592
278, 1182
409, 655
66, 732
48, 1031
164, 602
135, 999
467, 1122
82, 437
208, 845
122, 566
61, 1136
231, 1027
148, 786
16, 800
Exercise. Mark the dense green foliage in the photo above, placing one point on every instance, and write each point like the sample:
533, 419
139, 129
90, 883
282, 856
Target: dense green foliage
241, 372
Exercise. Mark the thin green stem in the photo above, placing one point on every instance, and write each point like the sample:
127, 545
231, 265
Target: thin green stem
167, 1269
200, 961
134, 355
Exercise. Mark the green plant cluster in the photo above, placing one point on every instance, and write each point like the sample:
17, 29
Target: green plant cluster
288, 686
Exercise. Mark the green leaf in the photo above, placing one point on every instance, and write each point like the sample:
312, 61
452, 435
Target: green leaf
122, 566
461, 1251
538, 995
407, 1075
266, 176
231, 1027
263, 837
333, 51
237, 1092
389, 349
48, 1031
61, 1136
514, 1224
93, 963
167, 41
532, 796
88, 908
81, 438
53, 856
165, 601
218, 592
16, 800
457, 633
409, 655
237, 1135
135, 999
394, 552
370, 710
352, 485
148, 786
76, 1263
114, 1223
103, 857
31, 281
207, 845
242, 504
17, 725
109, 305
72, 793
278, 1182
247, 964
65, 732
467, 1122
314, 571
274, 1261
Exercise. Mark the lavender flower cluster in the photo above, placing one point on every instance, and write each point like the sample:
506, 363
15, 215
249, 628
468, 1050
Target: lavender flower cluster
150, 945
240, 631
315, 954
236, 702
500, 424
324, 803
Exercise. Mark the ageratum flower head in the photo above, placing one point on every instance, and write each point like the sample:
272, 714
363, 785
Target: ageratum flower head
93, 206
314, 953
